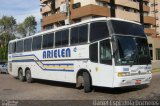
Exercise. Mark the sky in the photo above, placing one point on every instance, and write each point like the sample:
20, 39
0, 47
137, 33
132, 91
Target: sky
20, 9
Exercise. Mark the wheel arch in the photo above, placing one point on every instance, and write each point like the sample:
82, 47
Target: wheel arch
20, 68
27, 68
80, 72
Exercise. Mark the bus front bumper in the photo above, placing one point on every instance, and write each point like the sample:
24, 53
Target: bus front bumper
132, 80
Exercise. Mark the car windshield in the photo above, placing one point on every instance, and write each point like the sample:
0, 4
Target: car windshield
132, 51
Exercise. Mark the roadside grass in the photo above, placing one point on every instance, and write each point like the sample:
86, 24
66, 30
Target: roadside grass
155, 70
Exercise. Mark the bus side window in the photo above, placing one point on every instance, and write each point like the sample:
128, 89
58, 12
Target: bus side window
37, 41
98, 30
83, 34
93, 52
65, 37
48, 40
79, 34
58, 39
10, 48
27, 44
19, 46
105, 52
62, 38
14, 47
74, 36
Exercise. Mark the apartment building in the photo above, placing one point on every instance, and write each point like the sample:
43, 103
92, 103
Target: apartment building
155, 39
135, 10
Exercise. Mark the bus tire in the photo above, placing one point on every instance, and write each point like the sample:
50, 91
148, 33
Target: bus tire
28, 76
20, 75
87, 82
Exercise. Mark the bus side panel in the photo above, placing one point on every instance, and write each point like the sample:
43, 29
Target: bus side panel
102, 75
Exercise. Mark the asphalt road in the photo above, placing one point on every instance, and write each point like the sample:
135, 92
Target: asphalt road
13, 89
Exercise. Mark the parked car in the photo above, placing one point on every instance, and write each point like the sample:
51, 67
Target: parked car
3, 67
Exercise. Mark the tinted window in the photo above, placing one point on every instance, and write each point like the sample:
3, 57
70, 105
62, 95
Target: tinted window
79, 34
93, 51
83, 34
27, 44
37, 43
10, 48
143, 51
74, 35
99, 30
105, 52
130, 28
65, 37
48, 40
14, 47
19, 46
61, 38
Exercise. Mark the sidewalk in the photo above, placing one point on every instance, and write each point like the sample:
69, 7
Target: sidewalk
155, 70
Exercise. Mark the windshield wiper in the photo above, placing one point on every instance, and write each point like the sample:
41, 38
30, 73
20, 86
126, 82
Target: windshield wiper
134, 58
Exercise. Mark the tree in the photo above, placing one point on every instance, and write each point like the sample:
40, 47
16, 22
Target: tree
7, 33
28, 27
21, 30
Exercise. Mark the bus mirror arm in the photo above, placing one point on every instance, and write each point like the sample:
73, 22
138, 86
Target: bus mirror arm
114, 53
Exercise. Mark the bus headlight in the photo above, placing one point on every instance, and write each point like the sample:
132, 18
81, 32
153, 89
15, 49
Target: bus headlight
122, 74
148, 72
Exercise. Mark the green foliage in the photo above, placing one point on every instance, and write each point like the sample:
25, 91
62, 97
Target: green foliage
8, 30
7, 33
21, 30
28, 27
3, 53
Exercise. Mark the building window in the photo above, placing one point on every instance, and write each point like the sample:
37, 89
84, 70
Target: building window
158, 54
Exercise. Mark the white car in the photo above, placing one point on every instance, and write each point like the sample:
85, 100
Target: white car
4, 68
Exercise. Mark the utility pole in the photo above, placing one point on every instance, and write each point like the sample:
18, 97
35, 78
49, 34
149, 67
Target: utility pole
155, 17
68, 12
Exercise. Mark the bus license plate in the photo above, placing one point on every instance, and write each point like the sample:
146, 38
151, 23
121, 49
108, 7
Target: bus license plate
138, 82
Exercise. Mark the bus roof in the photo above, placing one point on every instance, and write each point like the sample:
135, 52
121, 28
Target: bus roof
76, 24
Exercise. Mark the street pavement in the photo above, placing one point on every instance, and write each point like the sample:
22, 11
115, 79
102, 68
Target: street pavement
13, 89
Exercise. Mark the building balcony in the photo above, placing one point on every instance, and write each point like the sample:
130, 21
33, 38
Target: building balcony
104, 0
127, 3
149, 20
46, 9
146, 8
150, 31
128, 15
90, 10
53, 19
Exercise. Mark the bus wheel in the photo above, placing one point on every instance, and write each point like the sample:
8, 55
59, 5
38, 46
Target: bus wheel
87, 82
20, 75
28, 76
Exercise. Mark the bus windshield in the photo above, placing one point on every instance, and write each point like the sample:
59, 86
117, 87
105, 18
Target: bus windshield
127, 28
132, 51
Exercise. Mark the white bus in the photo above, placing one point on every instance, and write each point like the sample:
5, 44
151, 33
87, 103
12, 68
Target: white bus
106, 52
